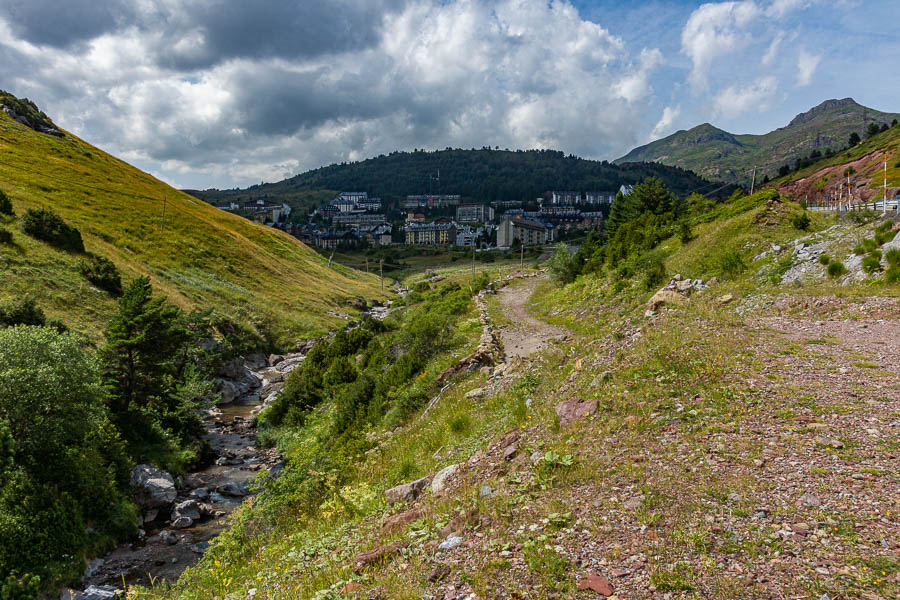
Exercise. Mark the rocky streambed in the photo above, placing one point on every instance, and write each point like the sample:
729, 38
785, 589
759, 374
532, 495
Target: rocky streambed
181, 516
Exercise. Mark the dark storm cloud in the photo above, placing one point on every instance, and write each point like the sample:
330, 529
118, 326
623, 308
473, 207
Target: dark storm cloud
62, 24
275, 28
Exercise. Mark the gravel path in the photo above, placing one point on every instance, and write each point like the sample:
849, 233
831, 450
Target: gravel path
526, 335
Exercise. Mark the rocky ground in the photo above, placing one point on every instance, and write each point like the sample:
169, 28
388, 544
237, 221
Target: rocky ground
781, 483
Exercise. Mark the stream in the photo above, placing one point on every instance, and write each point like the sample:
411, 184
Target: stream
162, 553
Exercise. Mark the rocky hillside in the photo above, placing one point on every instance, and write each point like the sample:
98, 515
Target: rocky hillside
863, 164
719, 155
197, 256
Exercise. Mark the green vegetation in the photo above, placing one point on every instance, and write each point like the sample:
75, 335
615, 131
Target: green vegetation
64, 469
44, 224
103, 273
6, 207
836, 269
26, 109
149, 365
801, 221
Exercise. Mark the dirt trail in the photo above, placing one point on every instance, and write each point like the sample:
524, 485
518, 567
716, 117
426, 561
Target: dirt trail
526, 335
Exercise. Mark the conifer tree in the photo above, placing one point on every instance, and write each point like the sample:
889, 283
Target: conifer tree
142, 341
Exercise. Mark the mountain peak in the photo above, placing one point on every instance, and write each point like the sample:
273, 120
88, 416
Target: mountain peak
825, 107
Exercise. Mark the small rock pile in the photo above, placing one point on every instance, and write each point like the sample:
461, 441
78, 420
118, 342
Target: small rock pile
676, 292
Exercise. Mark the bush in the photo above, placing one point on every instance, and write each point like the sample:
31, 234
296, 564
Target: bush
884, 237
892, 275
730, 263
871, 264
24, 311
6, 207
68, 470
685, 232
46, 225
563, 266
102, 273
654, 272
801, 221
892, 257
824, 259
835, 269
5, 236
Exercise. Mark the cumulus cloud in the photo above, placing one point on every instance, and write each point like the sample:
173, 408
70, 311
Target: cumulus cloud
713, 31
240, 92
735, 100
806, 67
664, 125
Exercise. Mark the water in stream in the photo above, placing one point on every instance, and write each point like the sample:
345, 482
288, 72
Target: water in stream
152, 559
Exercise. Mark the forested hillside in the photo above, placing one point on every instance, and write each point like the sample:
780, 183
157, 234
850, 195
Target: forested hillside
485, 175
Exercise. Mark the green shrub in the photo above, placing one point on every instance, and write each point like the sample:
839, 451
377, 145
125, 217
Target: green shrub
102, 273
801, 221
654, 272
865, 246
780, 268
892, 275
20, 588
685, 232
835, 269
5, 236
729, 263
6, 207
69, 470
45, 225
824, 259
892, 257
884, 237
871, 264
24, 311
563, 266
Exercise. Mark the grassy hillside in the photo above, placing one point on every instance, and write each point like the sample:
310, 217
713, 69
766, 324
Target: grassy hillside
204, 258
736, 443
484, 175
717, 154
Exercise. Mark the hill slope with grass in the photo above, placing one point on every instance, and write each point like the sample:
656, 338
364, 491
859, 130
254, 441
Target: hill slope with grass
731, 435
717, 154
203, 258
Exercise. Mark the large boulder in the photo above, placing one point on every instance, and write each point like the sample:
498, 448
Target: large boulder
188, 508
406, 492
229, 390
233, 369
439, 483
664, 298
153, 488
256, 361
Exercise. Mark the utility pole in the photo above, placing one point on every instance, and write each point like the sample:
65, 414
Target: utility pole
162, 222
884, 195
753, 181
381, 273
367, 265
473, 259
522, 255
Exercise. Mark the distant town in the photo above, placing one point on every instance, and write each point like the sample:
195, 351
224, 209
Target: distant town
355, 220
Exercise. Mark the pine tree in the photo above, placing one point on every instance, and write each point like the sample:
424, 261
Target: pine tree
142, 341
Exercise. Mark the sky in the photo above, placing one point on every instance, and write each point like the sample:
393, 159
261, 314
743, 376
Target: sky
230, 93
